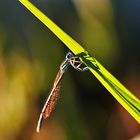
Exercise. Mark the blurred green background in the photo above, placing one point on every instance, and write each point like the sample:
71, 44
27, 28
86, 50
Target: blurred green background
108, 29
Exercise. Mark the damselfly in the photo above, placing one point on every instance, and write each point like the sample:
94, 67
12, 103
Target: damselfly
52, 99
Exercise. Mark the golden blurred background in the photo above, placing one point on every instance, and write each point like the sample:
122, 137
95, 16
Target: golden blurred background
108, 29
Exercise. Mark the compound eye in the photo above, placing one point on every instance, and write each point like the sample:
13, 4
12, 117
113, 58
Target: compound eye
69, 55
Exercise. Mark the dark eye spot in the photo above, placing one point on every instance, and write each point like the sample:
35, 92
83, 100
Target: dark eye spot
69, 55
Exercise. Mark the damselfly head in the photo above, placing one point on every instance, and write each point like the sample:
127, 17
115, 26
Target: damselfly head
69, 55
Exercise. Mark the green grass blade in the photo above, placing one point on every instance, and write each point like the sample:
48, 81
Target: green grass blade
130, 102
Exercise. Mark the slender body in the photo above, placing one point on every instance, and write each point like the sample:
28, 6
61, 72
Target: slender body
53, 96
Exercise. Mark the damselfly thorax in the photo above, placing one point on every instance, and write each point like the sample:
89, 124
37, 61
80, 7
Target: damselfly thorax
53, 96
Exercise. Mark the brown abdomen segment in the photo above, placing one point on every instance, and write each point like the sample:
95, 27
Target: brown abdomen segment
51, 103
